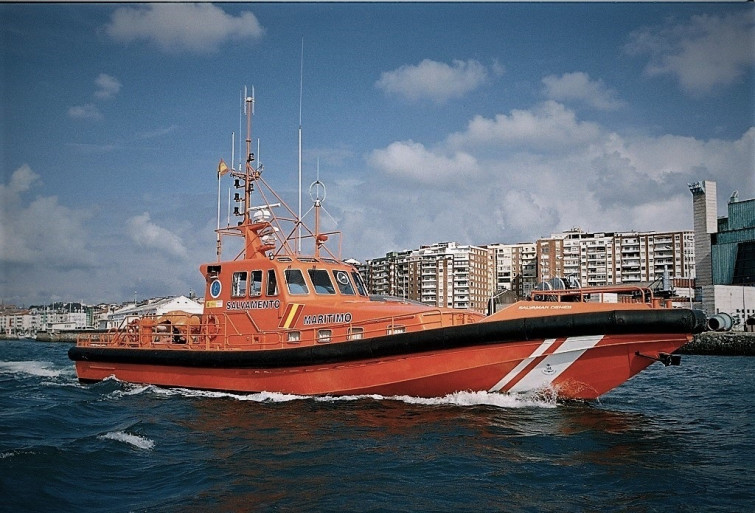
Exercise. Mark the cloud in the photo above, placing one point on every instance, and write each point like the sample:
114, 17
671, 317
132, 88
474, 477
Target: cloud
107, 86
40, 231
529, 173
176, 27
412, 161
148, 235
86, 111
157, 132
704, 54
579, 87
548, 126
436, 81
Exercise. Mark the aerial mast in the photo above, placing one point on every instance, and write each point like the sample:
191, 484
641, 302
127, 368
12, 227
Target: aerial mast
248, 186
301, 83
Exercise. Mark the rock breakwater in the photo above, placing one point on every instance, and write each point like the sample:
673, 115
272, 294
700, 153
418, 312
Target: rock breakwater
729, 343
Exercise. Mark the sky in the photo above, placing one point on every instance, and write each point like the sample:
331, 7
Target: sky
477, 123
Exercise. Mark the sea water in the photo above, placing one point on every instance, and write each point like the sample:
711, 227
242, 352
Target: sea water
672, 439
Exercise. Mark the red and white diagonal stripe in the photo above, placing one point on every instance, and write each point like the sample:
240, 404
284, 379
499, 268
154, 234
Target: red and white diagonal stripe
547, 362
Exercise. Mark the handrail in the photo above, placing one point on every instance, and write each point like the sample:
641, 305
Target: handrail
229, 336
645, 292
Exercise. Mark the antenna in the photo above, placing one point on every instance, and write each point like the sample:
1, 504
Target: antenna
301, 85
242, 111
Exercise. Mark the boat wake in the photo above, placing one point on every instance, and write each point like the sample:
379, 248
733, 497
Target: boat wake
545, 398
30, 368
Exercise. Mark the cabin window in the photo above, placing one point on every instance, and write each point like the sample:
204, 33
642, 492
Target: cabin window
356, 333
321, 281
256, 287
361, 287
295, 281
324, 335
344, 284
294, 337
272, 283
238, 284
395, 330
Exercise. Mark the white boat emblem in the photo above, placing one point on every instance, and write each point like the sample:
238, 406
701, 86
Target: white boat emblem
548, 370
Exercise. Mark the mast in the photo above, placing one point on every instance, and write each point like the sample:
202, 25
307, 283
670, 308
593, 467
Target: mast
301, 84
249, 101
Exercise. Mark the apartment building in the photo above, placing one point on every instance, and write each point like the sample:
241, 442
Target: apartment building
612, 258
387, 275
29, 322
445, 274
464, 276
515, 267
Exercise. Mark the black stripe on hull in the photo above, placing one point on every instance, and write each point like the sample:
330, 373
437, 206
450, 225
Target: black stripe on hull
481, 333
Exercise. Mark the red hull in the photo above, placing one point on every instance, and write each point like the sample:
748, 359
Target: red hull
575, 367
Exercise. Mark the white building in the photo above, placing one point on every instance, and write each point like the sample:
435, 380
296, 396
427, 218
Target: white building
29, 322
119, 318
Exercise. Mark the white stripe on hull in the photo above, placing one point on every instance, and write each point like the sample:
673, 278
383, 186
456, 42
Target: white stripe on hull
551, 367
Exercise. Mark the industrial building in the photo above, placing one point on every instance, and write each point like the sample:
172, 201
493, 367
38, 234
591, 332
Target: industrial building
725, 251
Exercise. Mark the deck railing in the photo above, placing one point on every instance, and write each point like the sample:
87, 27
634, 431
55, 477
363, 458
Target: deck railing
219, 331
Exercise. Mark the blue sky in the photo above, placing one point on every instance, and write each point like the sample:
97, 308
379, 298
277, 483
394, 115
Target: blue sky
478, 123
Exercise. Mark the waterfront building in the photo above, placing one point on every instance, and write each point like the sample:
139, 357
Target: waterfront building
466, 276
442, 274
27, 322
451, 275
120, 317
515, 267
726, 277
387, 275
611, 258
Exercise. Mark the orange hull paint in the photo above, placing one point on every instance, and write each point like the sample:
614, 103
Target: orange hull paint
476, 368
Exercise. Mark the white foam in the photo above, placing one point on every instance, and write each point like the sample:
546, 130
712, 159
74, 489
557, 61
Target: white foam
31, 368
542, 398
482, 399
261, 397
137, 441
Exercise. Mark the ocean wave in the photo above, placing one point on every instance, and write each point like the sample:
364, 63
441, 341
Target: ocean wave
30, 368
137, 441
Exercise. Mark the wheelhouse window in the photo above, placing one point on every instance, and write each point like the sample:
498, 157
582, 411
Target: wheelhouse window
360, 284
238, 284
344, 284
321, 281
295, 282
256, 286
272, 283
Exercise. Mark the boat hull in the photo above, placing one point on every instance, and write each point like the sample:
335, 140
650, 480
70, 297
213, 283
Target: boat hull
585, 370
601, 352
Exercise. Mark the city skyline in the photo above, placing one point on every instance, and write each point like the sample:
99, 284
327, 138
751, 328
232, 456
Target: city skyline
477, 123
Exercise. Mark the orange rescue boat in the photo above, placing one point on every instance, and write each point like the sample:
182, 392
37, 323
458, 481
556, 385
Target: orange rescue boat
279, 321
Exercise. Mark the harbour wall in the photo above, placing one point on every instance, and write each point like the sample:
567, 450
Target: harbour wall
64, 335
724, 343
